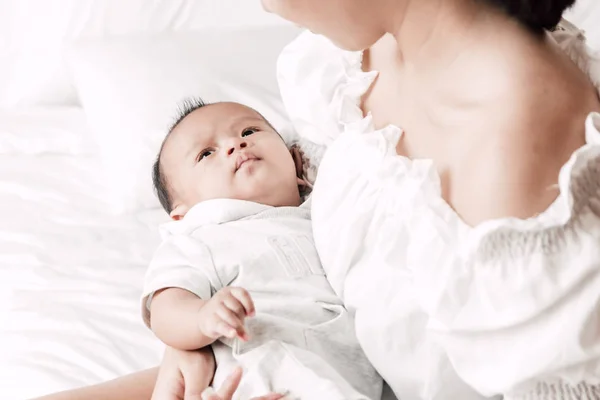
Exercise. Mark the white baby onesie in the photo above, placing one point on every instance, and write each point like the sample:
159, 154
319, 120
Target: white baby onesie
302, 338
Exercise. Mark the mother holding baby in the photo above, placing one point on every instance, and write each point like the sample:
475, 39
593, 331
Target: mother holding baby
457, 208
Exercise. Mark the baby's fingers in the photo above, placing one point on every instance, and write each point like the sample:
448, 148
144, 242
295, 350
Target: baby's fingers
235, 305
244, 297
223, 329
232, 320
243, 334
229, 317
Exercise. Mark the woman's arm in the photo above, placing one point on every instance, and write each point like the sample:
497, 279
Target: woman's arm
227, 390
182, 374
136, 386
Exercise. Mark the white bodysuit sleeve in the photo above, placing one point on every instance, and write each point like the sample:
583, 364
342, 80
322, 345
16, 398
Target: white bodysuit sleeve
180, 262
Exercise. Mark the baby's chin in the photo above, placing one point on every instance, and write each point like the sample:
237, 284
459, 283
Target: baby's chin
266, 196
259, 187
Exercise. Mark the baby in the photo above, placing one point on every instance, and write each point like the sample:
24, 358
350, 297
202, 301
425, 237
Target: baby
238, 269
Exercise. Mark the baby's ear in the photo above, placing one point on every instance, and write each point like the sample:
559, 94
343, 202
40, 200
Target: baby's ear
178, 212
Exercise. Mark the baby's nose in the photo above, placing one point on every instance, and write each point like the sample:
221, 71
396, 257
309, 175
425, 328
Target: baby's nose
237, 146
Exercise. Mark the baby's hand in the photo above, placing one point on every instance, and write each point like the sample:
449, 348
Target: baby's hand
224, 314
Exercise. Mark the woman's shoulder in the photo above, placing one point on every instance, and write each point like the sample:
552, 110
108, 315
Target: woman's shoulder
539, 116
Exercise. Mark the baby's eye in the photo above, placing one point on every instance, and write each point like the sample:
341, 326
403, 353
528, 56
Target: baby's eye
249, 131
204, 154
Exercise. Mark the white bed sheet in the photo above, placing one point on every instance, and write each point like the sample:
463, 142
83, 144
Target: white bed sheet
70, 278
36, 130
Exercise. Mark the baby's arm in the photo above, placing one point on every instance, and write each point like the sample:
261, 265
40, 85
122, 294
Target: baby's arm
184, 321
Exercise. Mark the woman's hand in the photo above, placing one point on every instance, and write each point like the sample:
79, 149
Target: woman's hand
229, 387
184, 374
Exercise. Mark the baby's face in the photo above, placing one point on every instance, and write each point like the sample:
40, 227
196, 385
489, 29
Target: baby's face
227, 150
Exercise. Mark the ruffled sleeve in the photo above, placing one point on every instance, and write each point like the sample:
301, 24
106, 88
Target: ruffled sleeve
320, 86
519, 311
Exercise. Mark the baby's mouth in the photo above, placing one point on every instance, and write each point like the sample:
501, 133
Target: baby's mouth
242, 159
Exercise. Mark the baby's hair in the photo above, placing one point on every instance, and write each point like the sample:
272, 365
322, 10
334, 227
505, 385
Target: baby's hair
159, 180
187, 106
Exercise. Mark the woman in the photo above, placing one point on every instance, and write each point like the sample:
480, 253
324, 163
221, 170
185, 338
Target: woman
472, 268
465, 262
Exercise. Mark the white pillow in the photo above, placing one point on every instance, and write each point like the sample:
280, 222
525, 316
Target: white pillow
35, 33
130, 88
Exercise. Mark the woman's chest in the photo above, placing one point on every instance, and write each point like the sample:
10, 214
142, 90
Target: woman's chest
480, 141
367, 202
443, 114
430, 131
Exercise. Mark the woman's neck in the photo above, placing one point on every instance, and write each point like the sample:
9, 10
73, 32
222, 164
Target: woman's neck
460, 57
437, 32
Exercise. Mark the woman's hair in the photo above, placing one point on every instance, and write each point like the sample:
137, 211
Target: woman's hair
537, 15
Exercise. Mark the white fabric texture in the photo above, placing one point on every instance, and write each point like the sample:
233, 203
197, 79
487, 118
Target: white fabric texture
131, 87
34, 35
503, 305
43, 130
283, 368
270, 252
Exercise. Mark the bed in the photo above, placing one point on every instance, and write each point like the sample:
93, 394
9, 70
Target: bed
70, 276
79, 84
78, 223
